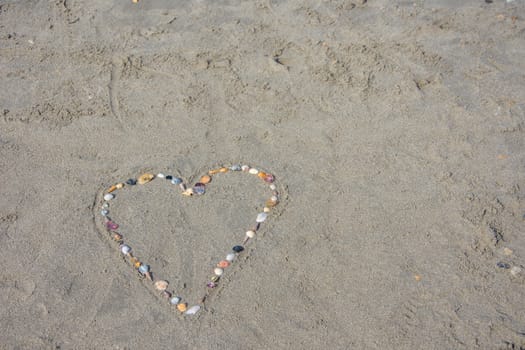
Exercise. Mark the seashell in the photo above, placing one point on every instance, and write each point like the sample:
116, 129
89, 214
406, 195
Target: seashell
193, 310
133, 260
131, 182
176, 181
215, 278
105, 205
104, 212
175, 300
110, 225
235, 167
218, 271
253, 171
145, 178
223, 264
261, 175
205, 179
238, 248
188, 192
109, 196
211, 284
515, 271
119, 185
182, 307
137, 265
273, 187
261, 217
199, 188
270, 204
250, 234
274, 198
169, 177
161, 285
166, 294
223, 170
266, 209
125, 249
161, 175
269, 178
245, 167
230, 257
144, 268
117, 237
111, 189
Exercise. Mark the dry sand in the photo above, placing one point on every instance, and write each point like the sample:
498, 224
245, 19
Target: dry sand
395, 129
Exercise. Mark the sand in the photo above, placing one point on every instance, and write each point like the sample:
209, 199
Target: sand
395, 131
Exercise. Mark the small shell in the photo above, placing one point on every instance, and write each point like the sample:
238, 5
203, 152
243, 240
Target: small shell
261, 175
266, 209
273, 187
238, 248
230, 257
199, 188
111, 189
110, 225
205, 179
250, 234
223, 170
215, 278
161, 285
105, 205
245, 167
274, 198
253, 171
104, 212
192, 310
223, 264
269, 178
176, 181
143, 268
131, 182
270, 204
109, 196
261, 217
211, 284
133, 260
182, 307
125, 249
161, 175
166, 294
235, 167
175, 300
515, 271
117, 237
137, 265
169, 177
119, 185
188, 192
218, 271
145, 178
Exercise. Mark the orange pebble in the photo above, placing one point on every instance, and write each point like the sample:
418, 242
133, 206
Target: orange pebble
137, 264
205, 179
223, 264
117, 237
223, 170
182, 307
214, 171
270, 203
112, 188
261, 174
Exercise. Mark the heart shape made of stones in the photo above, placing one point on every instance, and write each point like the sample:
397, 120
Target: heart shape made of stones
109, 228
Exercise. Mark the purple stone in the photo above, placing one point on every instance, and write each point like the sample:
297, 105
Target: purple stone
269, 178
211, 285
110, 225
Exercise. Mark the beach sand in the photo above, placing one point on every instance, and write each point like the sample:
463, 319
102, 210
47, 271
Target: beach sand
395, 131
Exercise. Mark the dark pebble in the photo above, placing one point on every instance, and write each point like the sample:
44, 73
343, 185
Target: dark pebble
503, 265
169, 177
238, 248
131, 182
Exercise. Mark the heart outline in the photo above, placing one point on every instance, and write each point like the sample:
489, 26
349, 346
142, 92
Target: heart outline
106, 232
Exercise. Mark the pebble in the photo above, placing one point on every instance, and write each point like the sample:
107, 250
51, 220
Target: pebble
238, 248
176, 181
109, 196
250, 234
273, 187
105, 205
218, 271
236, 167
145, 178
274, 199
211, 284
206, 179
199, 188
253, 171
223, 264
223, 170
112, 188
175, 300
119, 185
230, 257
169, 177
515, 271
215, 278
161, 285
245, 168
193, 310
503, 265
182, 307
117, 237
166, 294
110, 225
266, 209
161, 175
269, 178
507, 251
188, 192
131, 182
125, 249
104, 212
261, 217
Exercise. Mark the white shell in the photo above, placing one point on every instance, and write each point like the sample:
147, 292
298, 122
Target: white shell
218, 271
250, 234
274, 198
273, 187
266, 209
193, 310
245, 168
109, 196
105, 205
161, 175
125, 249
515, 271
175, 300
230, 257
253, 171
261, 217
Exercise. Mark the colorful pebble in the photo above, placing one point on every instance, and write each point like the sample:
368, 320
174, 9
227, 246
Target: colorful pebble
238, 248
192, 310
223, 264
250, 234
211, 284
169, 177
125, 249
176, 181
131, 182
261, 217
182, 307
109, 196
145, 178
161, 175
235, 167
110, 225
206, 179
253, 171
119, 185
175, 300
161, 285
104, 212
218, 271
230, 257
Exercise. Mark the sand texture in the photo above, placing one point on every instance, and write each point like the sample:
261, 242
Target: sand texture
395, 129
